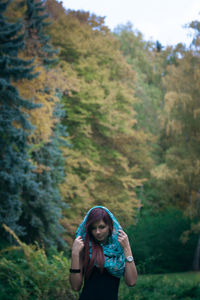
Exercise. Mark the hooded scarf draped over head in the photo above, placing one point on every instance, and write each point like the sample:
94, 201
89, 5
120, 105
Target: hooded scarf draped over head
113, 252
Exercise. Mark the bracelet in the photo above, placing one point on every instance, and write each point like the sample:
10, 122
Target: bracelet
75, 270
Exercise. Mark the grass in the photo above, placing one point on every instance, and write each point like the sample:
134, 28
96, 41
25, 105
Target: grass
189, 276
182, 286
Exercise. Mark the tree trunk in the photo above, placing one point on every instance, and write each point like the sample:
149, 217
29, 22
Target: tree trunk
196, 260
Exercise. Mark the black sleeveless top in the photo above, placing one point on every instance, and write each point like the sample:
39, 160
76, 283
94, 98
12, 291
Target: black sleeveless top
100, 286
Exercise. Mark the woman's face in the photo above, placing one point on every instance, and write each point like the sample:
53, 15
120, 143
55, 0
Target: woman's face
100, 231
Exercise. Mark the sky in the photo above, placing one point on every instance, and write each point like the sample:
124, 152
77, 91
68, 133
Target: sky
161, 20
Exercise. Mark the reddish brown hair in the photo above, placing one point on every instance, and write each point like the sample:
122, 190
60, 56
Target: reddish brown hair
95, 215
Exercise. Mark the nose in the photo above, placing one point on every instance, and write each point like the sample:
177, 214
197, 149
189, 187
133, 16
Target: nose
98, 231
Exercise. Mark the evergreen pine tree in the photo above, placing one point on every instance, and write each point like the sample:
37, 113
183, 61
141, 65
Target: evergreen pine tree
36, 39
15, 167
42, 211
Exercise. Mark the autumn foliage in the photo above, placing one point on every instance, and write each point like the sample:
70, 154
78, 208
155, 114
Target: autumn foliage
115, 123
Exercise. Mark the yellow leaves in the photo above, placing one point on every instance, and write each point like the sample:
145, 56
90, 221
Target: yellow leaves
162, 172
185, 236
188, 165
9, 230
176, 106
103, 164
102, 184
41, 117
174, 100
42, 90
129, 183
65, 78
196, 113
118, 111
8, 249
195, 228
174, 126
196, 167
15, 11
66, 30
40, 168
76, 187
27, 249
181, 122
182, 84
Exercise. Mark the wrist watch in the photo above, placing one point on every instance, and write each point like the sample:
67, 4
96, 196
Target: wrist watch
129, 259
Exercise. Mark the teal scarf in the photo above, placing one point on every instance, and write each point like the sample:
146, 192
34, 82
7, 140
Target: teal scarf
113, 252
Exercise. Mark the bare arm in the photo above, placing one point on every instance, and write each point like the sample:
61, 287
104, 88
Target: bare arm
130, 273
76, 279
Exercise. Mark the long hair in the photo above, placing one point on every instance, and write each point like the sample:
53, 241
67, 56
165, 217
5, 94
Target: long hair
95, 215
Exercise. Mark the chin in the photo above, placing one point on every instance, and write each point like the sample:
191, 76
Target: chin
99, 239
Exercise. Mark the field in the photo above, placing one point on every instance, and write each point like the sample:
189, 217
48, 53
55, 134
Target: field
184, 286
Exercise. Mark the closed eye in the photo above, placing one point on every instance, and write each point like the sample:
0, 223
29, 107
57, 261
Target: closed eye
100, 227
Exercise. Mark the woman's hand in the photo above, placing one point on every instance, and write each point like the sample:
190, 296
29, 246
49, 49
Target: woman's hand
130, 273
123, 239
78, 245
76, 279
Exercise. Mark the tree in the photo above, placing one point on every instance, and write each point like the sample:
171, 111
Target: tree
180, 168
40, 197
107, 155
15, 167
150, 66
42, 211
36, 38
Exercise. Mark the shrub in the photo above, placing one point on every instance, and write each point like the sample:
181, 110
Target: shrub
156, 244
33, 275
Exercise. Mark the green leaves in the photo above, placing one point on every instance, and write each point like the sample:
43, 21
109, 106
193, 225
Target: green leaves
30, 274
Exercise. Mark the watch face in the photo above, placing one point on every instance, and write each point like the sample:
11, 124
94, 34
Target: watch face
129, 258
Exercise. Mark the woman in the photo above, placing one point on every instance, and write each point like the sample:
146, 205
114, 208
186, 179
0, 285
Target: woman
101, 254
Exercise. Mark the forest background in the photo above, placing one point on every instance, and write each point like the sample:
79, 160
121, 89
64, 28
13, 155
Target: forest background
93, 117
